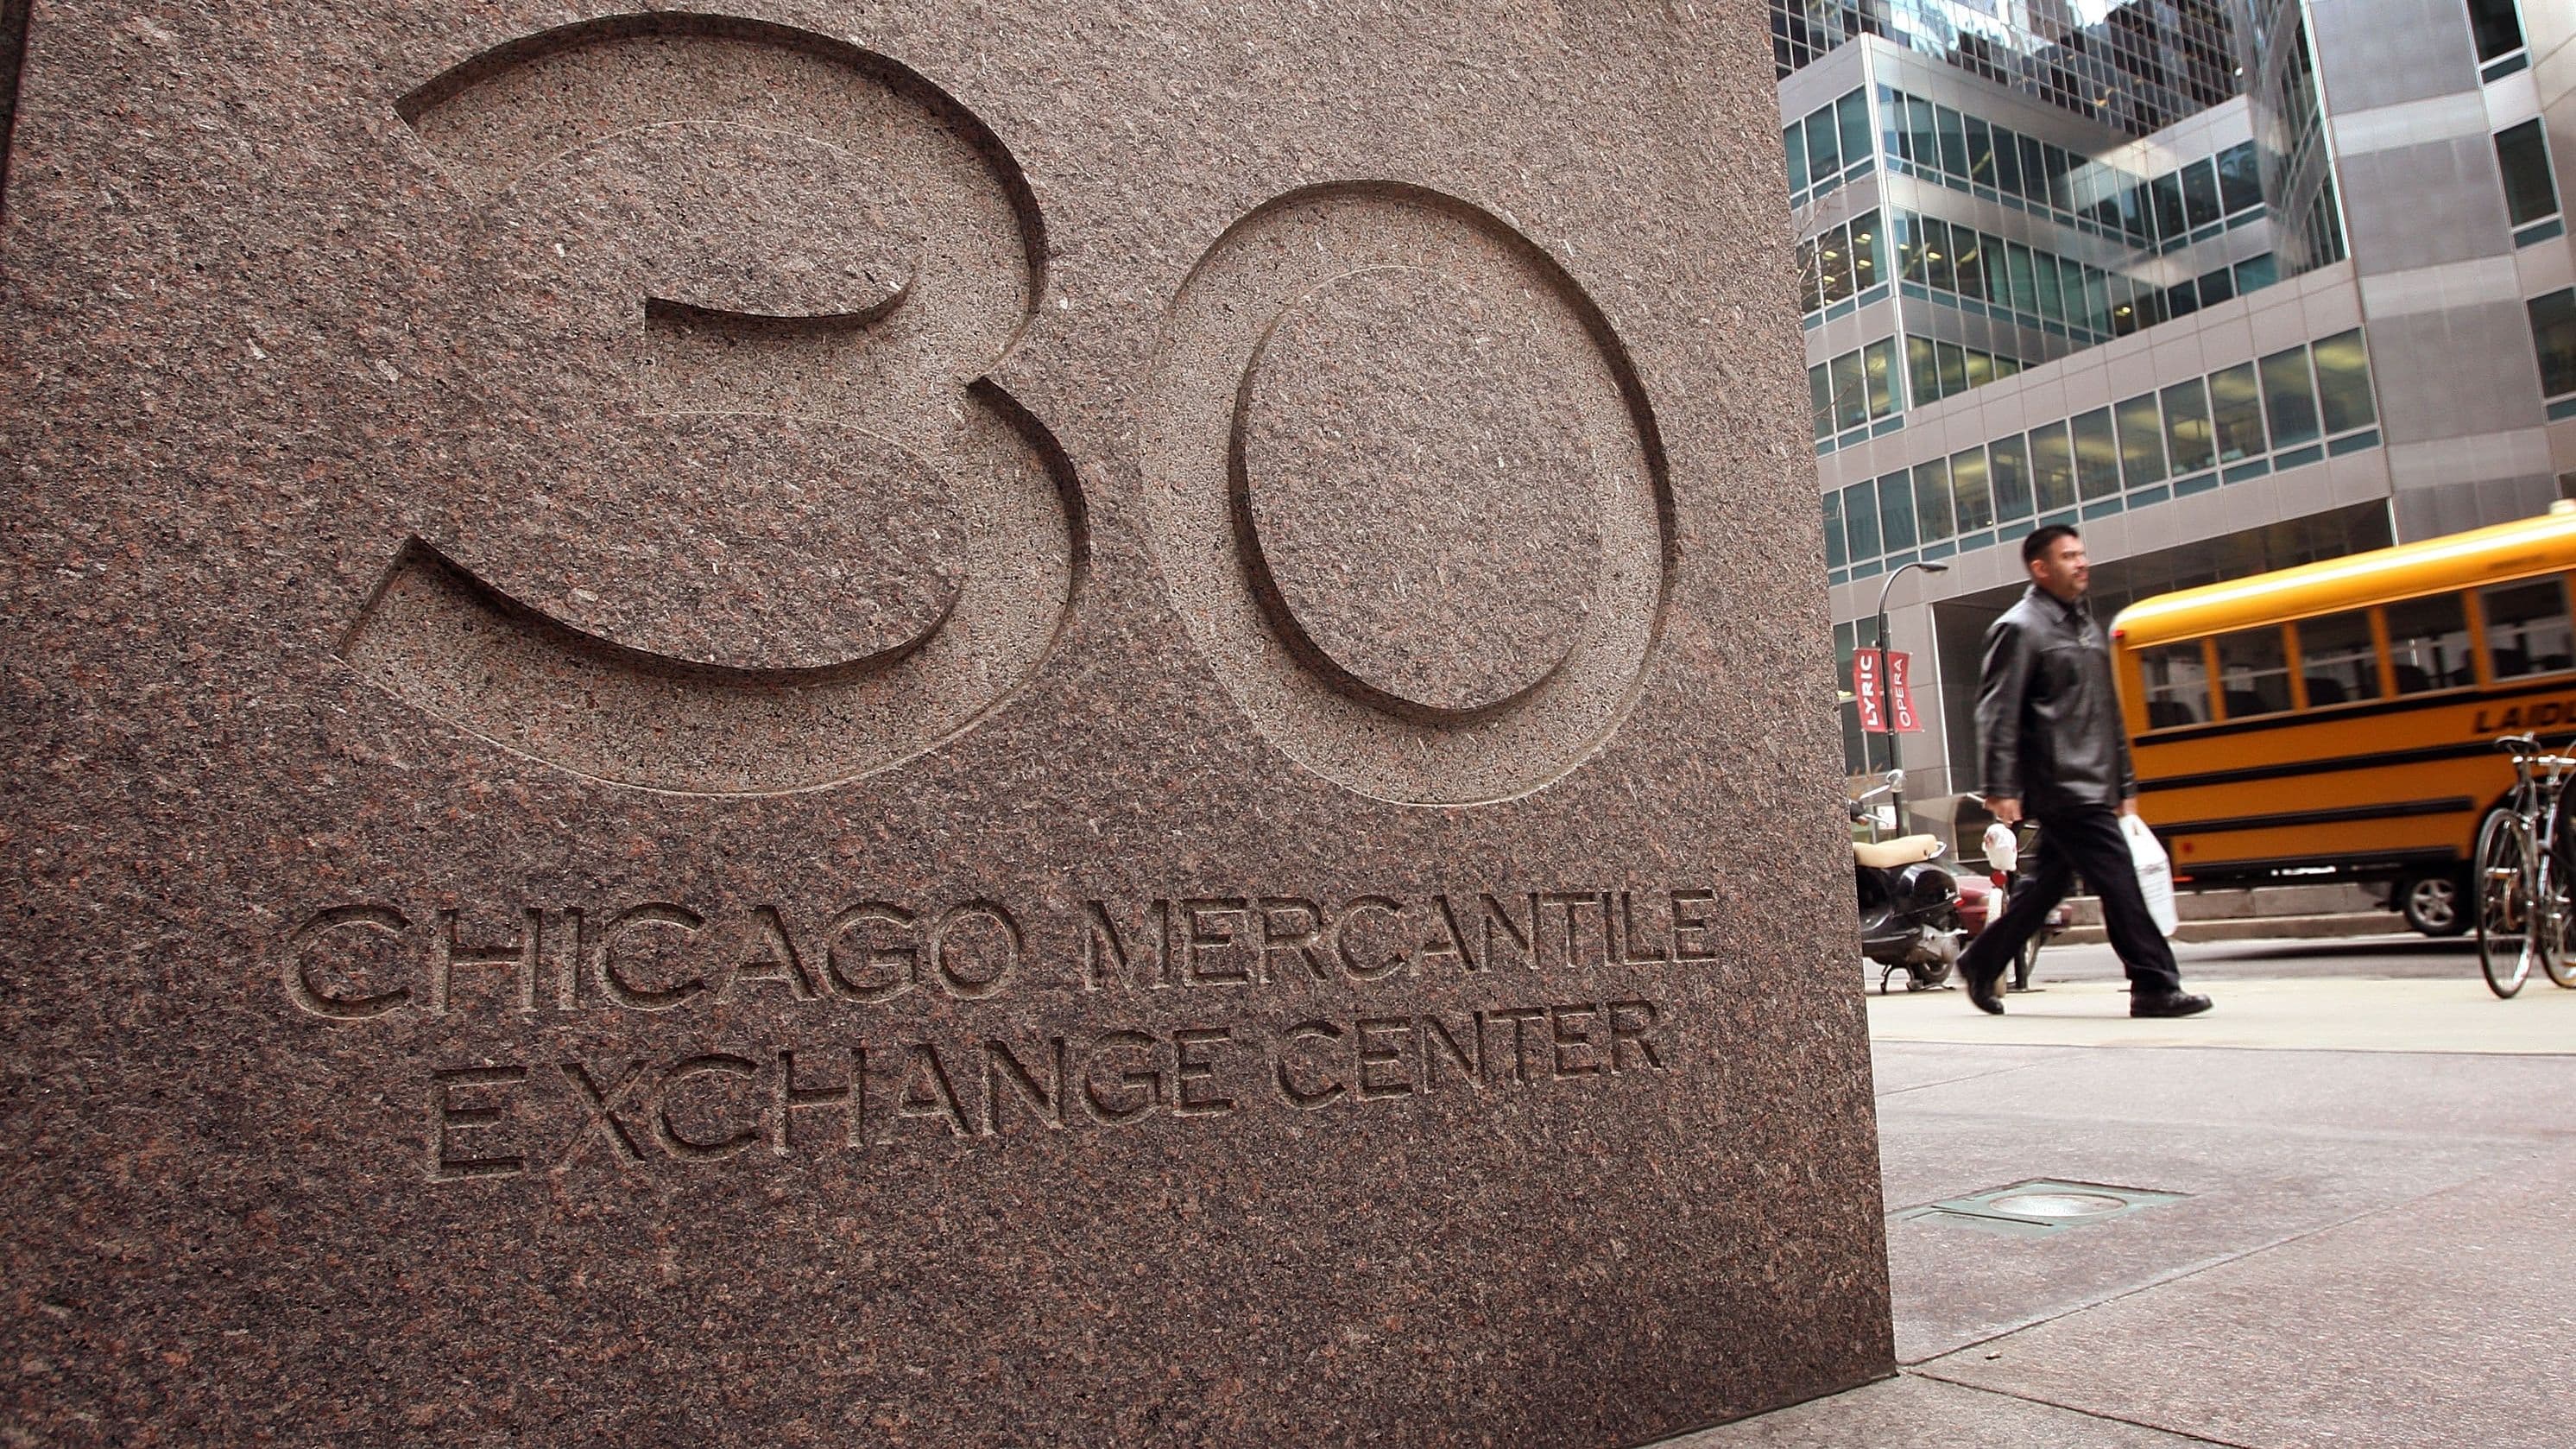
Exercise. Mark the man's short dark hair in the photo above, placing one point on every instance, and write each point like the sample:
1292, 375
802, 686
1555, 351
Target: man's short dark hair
2041, 540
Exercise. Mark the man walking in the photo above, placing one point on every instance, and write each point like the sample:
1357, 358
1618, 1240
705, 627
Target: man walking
2056, 751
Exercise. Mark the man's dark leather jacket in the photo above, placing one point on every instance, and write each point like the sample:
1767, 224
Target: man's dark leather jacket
2047, 712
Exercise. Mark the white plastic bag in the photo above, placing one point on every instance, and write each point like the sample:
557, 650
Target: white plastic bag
2003, 852
2155, 873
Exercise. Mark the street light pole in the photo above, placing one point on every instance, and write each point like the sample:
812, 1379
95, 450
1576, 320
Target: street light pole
1896, 793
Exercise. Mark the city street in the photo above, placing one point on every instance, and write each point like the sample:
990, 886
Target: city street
2401, 957
2305, 1244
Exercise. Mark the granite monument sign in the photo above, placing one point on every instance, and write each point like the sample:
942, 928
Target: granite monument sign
915, 724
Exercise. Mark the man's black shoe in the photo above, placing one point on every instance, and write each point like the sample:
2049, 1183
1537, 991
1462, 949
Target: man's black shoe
2167, 1003
1981, 990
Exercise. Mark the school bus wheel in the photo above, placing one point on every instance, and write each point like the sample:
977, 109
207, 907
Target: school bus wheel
2432, 901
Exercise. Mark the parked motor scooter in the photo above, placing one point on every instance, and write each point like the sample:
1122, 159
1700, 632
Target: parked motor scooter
1909, 905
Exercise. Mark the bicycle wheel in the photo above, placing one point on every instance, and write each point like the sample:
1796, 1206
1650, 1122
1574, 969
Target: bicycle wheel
2552, 928
2504, 902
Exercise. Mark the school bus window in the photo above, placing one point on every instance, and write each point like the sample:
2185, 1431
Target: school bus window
2337, 660
2253, 673
2177, 681
2527, 629
2428, 643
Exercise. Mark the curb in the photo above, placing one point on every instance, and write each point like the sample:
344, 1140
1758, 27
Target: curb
2306, 928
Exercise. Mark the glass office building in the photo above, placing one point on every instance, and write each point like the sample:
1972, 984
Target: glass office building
2137, 67
2229, 285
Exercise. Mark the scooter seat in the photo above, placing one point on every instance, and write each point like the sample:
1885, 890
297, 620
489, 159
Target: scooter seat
1890, 854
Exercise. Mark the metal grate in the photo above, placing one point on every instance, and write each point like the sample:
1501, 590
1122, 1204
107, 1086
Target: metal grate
2041, 1207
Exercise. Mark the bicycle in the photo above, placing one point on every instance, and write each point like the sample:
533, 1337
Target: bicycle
2059, 919
2523, 898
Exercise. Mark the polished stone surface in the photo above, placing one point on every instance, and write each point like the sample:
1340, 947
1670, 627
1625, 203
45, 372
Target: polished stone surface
693, 765
1401, 482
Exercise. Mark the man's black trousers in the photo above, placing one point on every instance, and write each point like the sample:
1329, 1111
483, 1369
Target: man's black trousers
2086, 840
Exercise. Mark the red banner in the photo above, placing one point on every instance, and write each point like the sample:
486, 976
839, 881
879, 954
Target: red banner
1865, 690
1900, 695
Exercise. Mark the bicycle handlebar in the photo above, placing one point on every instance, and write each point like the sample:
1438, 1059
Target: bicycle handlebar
2528, 759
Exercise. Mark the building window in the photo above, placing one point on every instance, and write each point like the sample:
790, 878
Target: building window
2530, 191
2498, 31
1854, 389
1932, 519
2200, 194
2290, 398
1860, 520
1824, 146
1981, 153
2052, 300
2343, 382
1937, 253
2097, 455
1896, 513
2553, 337
1834, 556
2240, 186
2236, 412
1878, 361
1829, 146
1869, 254
2052, 466
2188, 439
2142, 443
2164, 199
1843, 261
1851, 399
1969, 490
2009, 468
1954, 141
1851, 118
1968, 267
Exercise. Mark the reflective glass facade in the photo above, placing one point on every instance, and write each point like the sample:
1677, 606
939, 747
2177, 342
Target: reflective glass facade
2040, 284
2290, 134
2274, 414
2137, 66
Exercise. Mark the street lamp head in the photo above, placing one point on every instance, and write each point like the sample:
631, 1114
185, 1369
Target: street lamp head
1929, 567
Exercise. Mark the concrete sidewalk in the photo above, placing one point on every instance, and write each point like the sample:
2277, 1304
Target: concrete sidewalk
2352, 1230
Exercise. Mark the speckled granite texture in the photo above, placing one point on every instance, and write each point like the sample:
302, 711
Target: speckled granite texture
915, 724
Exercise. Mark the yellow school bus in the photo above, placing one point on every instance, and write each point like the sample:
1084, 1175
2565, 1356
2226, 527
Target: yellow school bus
2337, 720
